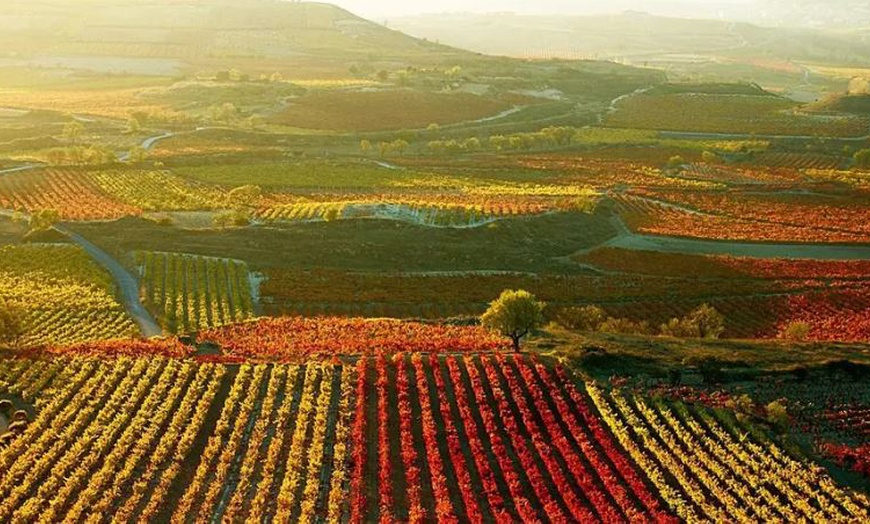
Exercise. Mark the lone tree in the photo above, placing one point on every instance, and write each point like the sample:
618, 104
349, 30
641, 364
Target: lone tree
514, 314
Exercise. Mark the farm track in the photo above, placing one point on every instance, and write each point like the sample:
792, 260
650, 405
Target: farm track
128, 285
628, 240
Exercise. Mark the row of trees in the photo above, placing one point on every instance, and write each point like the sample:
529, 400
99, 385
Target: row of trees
703, 322
548, 137
516, 313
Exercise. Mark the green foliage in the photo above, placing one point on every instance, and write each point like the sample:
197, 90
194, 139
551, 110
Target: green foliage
796, 331
703, 322
138, 154
710, 323
244, 196
624, 326
861, 159
710, 368
514, 314
679, 328
777, 414
676, 162
236, 218
13, 324
72, 131
742, 405
80, 156
586, 318
44, 219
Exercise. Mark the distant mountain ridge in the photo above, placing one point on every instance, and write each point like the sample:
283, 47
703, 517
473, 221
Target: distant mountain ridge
631, 35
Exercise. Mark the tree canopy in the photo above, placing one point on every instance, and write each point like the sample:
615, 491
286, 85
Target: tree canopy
514, 314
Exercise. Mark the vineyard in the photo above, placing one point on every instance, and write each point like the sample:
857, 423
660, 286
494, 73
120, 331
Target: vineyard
297, 339
189, 293
759, 298
763, 114
79, 194
432, 215
409, 437
70, 192
67, 298
722, 216
343, 110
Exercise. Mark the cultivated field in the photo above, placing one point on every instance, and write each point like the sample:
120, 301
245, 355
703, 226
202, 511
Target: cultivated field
271, 262
409, 437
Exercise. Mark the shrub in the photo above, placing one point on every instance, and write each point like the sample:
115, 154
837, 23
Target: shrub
585, 318
777, 414
710, 323
231, 219
861, 159
797, 331
680, 328
703, 322
624, 326
44, 219
675, 162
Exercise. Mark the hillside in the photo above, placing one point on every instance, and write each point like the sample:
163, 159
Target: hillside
173, 37
631, 35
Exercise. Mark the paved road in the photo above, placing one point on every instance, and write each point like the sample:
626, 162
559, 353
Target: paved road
128, 286
146, 144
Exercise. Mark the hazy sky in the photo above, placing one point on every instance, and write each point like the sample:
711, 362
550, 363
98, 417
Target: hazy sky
388, 8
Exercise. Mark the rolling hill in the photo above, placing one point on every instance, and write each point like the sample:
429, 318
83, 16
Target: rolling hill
173, 37
633, 36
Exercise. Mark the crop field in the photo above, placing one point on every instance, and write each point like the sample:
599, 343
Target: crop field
81, 194
748, 216
799, 160
411, 437
110, 103
268, 261
69, 192
298, 174
66, 297
395, 109
731, 114
298, 339
434, 211
189, 293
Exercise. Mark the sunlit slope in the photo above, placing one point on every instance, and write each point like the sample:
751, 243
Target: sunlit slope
633, 35
196, 32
